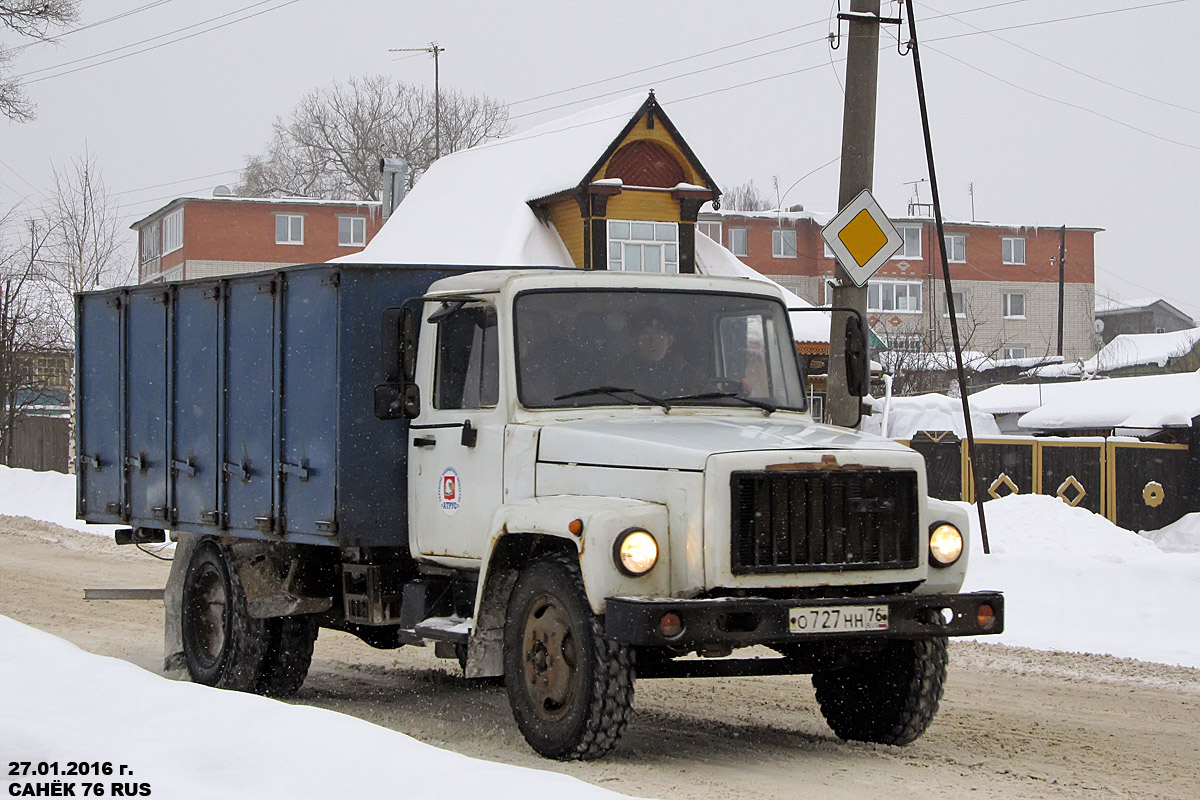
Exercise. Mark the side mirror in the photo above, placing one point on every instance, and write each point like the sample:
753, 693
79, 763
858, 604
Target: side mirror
397, 401
858, 368
398, 344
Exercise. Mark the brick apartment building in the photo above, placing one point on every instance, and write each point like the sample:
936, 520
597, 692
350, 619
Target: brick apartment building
1005, 280
197, 237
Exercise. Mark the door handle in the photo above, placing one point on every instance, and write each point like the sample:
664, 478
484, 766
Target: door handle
424, 441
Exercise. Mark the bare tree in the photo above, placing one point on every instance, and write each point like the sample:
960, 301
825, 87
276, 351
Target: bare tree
33, 19
84, 249
26, 332
744, 197
331, 142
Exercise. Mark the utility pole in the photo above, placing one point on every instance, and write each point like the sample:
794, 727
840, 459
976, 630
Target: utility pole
437, 96
1062, 276
858, 167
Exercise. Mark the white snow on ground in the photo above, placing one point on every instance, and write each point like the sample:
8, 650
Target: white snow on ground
1181, 536
926, 412
60, 702
48, 496
1074, 581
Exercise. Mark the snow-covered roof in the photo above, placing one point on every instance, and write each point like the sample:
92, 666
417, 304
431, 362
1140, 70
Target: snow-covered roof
472, 207
1147, 401
822, 217
1127, 350
925, 412
1106, 304
301, 201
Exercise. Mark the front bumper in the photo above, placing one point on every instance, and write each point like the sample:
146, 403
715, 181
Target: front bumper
744, 621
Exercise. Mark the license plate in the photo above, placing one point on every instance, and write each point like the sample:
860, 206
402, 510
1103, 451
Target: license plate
838, 619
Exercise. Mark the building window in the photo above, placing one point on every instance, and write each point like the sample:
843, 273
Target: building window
956, 248
352, 231
902, 296
1014, 352
710, 229
151, 242
783, 243
828, 251
172, 232
912, 242
1014, 306
289, 229
739, 241
960, 305
643, 246
1012, 250
906, 343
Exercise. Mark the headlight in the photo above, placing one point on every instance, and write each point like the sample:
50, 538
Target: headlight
636, 552
945, 544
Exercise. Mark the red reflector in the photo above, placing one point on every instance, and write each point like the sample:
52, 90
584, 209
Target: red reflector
670, 625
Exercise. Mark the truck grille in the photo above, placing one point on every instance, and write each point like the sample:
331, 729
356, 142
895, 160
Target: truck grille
824, 520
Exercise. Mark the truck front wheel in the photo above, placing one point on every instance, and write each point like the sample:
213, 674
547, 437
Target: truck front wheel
570, 686
889, 696
223, 645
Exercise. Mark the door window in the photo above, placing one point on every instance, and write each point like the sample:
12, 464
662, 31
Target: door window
468, 362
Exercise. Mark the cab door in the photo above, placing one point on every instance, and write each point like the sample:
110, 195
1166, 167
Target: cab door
456, 454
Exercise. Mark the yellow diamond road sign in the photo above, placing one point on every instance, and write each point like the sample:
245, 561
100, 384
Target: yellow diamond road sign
862, 238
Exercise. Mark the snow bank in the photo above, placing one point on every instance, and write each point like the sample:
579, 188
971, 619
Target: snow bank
191, 742
1147, 401
1128, 350
926, 412
1074, 581
48, 496
1181, 536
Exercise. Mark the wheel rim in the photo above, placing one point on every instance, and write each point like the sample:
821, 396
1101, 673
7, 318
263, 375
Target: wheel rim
209, 613
550, 649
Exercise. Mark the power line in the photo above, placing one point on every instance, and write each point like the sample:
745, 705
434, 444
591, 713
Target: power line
89, 26
992, 33
163, 44
1065, 102
672, 77
171, 183
1154, 292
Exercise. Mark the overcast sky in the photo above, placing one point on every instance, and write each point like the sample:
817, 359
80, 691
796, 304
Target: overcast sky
1058, 113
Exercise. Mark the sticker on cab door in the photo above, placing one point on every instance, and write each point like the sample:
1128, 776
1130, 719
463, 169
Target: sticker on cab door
449, 492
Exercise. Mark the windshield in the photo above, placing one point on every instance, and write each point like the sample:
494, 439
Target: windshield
601, 348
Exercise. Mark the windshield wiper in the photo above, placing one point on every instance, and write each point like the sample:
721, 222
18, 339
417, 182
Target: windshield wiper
613, 391
765, 406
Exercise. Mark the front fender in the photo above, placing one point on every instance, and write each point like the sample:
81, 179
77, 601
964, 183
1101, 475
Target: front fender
942, 580
604, 519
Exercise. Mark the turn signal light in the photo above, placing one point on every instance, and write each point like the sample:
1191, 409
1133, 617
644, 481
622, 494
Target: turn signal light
670, 625
985, 616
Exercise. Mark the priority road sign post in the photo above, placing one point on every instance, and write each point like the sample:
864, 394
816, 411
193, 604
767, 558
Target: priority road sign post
862, 238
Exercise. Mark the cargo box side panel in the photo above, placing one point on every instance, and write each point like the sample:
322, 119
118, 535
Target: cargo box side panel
98, 446
248, 455
373, 488
197, 465
308, 408
146, 460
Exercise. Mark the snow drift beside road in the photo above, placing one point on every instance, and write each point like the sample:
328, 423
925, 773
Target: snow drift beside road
62, 704
1074, 581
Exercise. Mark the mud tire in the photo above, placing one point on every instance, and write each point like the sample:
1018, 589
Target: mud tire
288, 655
890, 696
570, 686
223, 646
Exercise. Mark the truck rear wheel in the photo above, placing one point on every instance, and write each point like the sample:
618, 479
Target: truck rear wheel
570, 686
889, 696
223, 645
288, 655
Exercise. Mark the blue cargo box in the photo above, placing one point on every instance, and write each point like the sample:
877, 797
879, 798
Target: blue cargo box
243, 406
